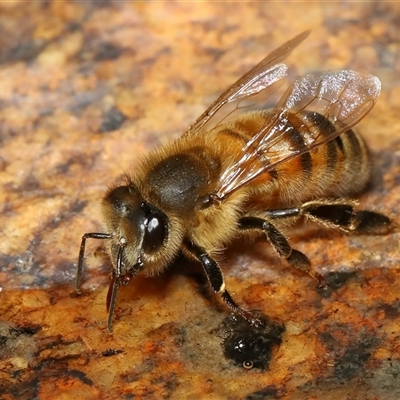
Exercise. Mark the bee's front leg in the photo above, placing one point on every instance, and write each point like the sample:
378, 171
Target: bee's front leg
216, 279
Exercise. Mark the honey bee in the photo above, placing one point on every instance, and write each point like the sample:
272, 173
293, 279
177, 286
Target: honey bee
241, 171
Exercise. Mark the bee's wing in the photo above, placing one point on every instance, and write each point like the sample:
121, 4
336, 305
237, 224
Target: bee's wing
264, 75
343, 98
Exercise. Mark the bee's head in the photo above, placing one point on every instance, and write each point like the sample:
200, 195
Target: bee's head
138, 232
137, 227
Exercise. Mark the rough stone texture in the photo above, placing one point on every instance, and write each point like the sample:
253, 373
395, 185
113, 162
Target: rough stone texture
86, 88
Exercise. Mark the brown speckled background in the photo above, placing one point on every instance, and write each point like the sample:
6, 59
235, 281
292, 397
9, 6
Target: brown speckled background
87, 87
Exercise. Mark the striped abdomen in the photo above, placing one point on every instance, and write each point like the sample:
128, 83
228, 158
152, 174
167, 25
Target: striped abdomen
337, 168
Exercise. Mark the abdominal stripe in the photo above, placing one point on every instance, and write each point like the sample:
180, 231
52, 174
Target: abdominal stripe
353, 144
237, 135
296, 140
326, 128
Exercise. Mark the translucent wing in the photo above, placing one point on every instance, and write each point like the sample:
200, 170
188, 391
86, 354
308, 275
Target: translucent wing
264, 75
342, 97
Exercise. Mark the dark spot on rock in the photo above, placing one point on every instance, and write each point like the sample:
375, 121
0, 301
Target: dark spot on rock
112, 120
107, 51
24, 51
335, 280
391, 310
249, 346
28, 330
111, 352
269, 392
74, 26
81, 376
353, 360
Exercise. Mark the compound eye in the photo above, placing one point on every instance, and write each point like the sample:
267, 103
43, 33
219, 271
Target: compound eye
155, 232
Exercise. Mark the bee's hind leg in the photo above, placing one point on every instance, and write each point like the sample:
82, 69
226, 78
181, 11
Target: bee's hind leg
334, 214
345, 217
339, 214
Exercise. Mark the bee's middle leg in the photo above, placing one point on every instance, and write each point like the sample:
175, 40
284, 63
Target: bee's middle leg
295, 258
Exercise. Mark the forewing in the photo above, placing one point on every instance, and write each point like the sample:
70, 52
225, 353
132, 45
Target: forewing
342, 97
263, 76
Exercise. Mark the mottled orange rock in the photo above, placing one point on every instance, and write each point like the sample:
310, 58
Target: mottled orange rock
86, 88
